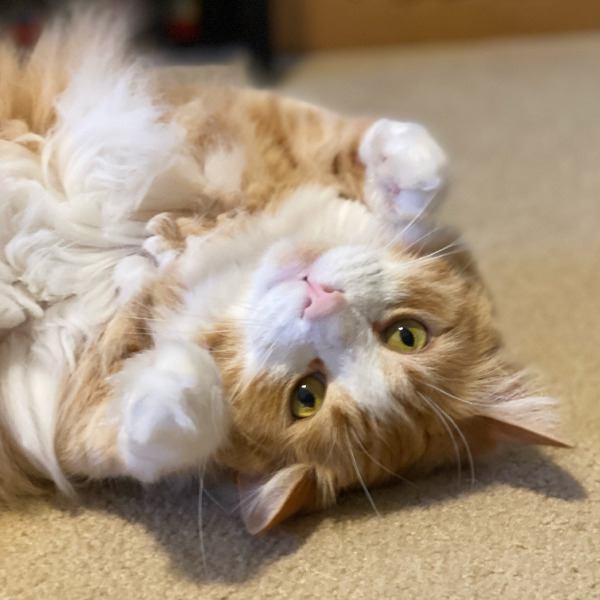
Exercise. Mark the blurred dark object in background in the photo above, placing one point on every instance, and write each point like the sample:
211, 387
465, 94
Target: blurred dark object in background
214, 23
186, 28
167, 24
313, 25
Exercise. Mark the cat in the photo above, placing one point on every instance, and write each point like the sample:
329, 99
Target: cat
194, 276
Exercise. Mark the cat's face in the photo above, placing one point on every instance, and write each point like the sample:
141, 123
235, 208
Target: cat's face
356, 357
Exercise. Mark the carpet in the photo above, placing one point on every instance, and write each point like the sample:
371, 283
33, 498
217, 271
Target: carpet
520, 121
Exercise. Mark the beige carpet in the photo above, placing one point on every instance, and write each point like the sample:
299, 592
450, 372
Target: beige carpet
521, 121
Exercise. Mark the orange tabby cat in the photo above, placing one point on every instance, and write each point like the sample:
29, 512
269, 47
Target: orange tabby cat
195, 276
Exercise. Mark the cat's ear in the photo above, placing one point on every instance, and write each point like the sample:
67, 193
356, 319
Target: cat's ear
528, 420
266, 502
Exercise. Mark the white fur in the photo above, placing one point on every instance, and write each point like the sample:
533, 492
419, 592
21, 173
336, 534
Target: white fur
62, 233
109, 143
170, 407
278, 338
405, 168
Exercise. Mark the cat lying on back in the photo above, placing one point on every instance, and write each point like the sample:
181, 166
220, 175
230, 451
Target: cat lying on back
194, 276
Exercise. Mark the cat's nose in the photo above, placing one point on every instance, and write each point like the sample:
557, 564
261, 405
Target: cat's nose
321, 301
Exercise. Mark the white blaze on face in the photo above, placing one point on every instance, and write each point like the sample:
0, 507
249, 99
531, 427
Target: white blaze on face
279, 337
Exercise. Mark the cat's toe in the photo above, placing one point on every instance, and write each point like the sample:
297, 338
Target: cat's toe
173, 416
405, 167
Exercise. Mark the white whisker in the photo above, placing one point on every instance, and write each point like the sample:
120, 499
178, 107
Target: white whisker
441, 391
462, 437
200, 524
449, 431
412, 222
403, 479
360, 479
466, 445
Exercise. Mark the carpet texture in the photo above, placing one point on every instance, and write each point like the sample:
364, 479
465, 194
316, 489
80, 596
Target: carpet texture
521, 122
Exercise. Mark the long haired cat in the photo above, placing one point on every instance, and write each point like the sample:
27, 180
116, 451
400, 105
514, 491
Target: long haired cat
194, 276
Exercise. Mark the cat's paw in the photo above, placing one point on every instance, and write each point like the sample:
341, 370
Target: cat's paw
172, 414
405, 168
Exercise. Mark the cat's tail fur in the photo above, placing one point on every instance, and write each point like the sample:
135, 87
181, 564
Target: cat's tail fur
82, 142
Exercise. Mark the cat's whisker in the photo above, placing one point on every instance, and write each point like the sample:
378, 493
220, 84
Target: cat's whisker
463, 439
253, 441
411, 222
267, 356
215, 501
331, 450
200, 523
375, 461
449, 431
359, 476
466, 445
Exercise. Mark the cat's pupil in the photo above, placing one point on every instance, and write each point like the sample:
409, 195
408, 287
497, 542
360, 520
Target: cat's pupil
306, 397
407, 337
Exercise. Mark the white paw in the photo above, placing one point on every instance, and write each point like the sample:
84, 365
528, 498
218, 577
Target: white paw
405, 168
171, 408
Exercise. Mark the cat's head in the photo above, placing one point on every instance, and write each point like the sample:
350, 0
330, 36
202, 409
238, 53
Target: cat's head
360, 354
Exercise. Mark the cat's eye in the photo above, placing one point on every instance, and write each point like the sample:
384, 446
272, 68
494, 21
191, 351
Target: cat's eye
405, 335
308, 395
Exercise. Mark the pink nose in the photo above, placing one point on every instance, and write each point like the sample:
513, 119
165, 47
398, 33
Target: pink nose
321, 301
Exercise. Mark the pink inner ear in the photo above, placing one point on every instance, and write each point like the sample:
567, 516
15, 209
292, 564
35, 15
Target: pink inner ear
542, 432
266, 503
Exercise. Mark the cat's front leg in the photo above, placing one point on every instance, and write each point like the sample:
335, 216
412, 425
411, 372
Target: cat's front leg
170, 407
404, 169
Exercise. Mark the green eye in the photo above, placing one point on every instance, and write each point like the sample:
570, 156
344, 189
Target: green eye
405, 335
308, 396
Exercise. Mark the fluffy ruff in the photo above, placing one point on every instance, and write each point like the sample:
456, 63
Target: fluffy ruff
82, 144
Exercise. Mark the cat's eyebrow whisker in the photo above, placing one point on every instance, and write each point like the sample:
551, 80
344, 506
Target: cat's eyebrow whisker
399, 477
425, 259
360, 479
432, 257
453, 243
441, 391
413, 244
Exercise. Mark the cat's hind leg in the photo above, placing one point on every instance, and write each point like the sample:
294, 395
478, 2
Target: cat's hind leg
404, 169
